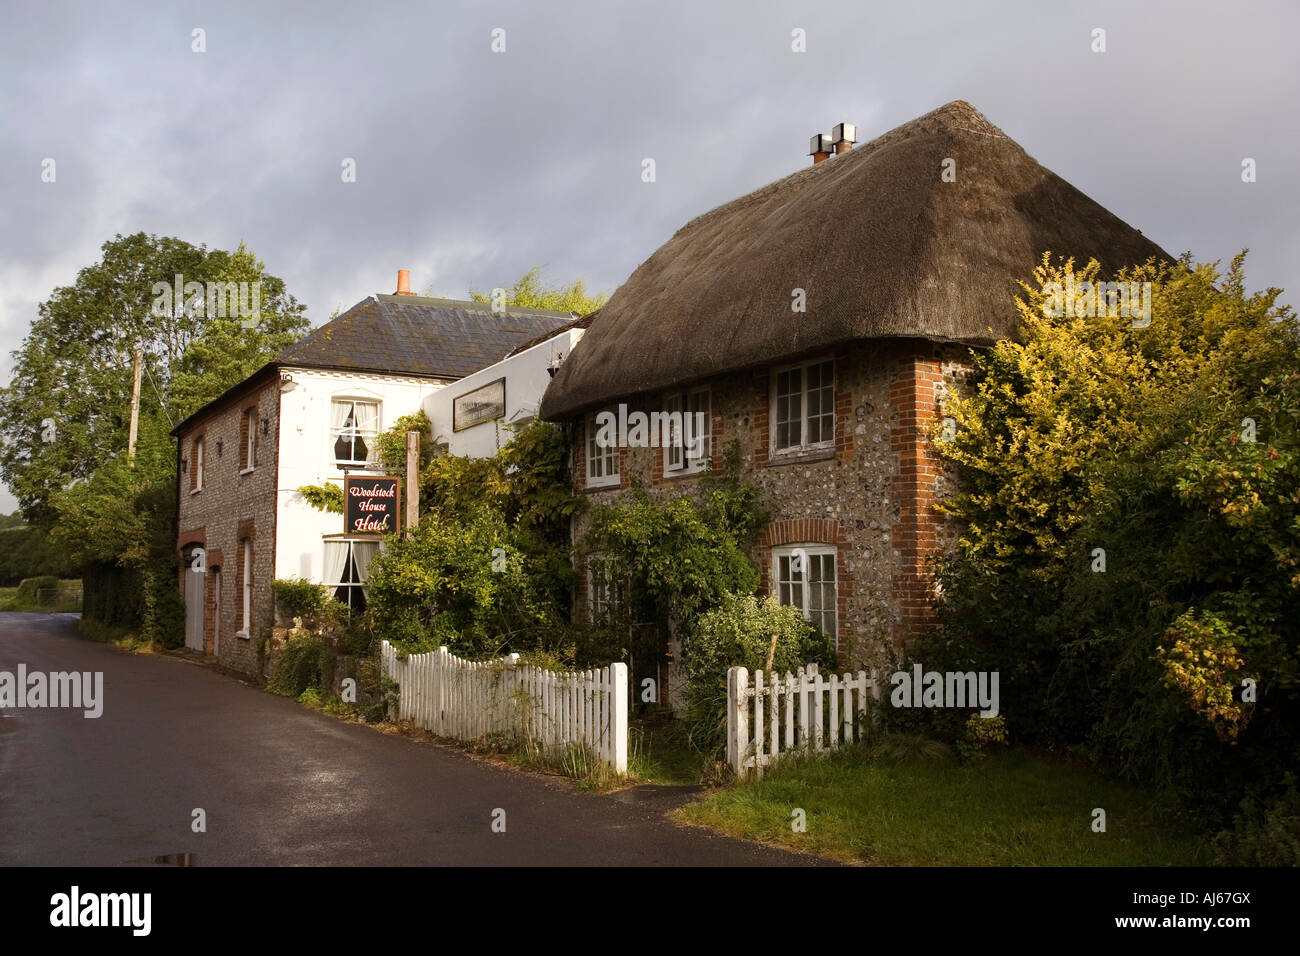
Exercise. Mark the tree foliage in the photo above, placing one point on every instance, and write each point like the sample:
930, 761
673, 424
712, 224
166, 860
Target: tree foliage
1131, 529
533, 291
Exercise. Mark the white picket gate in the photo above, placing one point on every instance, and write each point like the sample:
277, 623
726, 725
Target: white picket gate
803, 711
468, 700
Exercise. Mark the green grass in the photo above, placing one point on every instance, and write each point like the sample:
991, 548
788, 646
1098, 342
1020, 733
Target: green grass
1009, 809
659, 753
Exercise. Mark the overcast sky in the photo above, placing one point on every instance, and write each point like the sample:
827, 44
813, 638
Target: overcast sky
473, 166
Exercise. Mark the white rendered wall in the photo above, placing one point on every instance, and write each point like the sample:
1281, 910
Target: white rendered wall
306, 455
526, 380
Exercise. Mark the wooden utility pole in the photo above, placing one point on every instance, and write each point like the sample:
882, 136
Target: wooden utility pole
412, 480
135, 406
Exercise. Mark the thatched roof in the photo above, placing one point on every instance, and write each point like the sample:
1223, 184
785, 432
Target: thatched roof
881, 245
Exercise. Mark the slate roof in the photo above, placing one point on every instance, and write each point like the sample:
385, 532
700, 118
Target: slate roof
415, 335
406, 335
582, 323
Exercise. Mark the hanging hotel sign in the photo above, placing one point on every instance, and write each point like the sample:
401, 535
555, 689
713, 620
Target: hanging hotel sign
371, 505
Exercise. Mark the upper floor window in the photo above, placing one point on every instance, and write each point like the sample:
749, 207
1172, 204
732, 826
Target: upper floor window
602, 459
248, 447
354, 430
196, 470
688, 444
803, 407
804, 575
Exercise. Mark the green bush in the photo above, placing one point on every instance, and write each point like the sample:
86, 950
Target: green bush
739, 633
28, 587
298, 598
303, 664
1130, 532
1263, 836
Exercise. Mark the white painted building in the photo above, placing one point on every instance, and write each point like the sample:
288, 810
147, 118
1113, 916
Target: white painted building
314, 415
473, 415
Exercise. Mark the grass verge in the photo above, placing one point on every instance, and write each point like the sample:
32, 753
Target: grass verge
1008, 809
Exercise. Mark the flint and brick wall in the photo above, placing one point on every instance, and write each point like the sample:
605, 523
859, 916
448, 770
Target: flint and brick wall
872, 495
236, 502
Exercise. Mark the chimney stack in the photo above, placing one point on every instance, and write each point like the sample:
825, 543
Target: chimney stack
403, 282
844, 135
819, 148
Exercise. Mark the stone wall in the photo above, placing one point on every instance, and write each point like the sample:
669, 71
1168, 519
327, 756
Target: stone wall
871, 496
237, 501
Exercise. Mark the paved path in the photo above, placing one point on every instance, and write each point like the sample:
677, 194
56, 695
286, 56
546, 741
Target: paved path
284, 785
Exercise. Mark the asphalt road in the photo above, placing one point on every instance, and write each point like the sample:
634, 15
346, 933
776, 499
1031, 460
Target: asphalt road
283, 785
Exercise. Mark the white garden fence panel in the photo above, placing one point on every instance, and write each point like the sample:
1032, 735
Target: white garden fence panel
771, 715
469, 700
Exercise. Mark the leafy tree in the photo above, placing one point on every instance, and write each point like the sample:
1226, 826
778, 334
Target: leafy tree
1128, 558
67, 408
532, 291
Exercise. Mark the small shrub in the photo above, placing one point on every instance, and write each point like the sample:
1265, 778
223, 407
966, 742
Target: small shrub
739, 633
983, 735
303, 664
1263, 837
311, 697
295, 597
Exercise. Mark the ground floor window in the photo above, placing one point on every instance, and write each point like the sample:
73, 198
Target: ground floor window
605, 593
804, 575
347, 566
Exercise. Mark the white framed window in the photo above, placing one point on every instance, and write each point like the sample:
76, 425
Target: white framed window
354, 431
197, 483
688, 444
804, 575
803, 407
602, 462
605, 594
347, 567
246, 572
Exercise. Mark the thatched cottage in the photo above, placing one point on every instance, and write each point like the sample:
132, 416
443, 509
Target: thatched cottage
903, 254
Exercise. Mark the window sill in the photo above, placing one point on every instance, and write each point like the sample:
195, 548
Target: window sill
195, 491
242, 635
675, 473
603, 485
825, 453
248, 471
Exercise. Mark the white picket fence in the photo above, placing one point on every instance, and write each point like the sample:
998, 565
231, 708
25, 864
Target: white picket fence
805, 711
468, 700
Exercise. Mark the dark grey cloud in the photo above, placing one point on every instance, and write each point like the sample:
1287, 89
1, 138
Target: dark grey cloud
474, 166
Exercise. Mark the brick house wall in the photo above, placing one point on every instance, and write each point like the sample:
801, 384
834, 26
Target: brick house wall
237, 501
872, 495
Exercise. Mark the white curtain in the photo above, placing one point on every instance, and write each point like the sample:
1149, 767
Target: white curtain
364, 551
339, 413
336, 562
367, 421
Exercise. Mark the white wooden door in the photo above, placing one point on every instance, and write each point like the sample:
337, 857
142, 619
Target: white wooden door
194, 581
